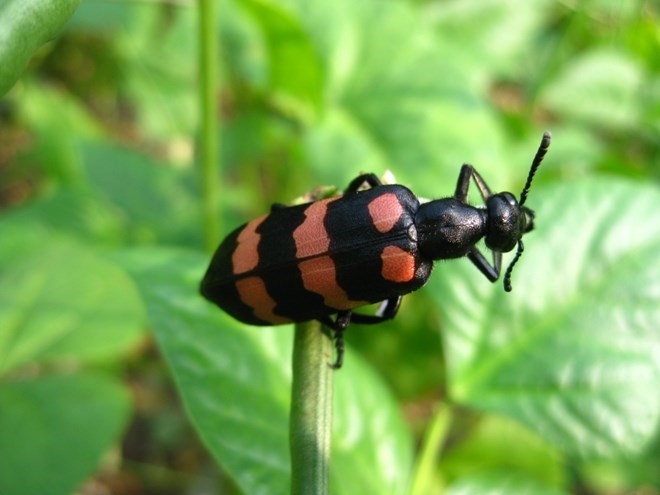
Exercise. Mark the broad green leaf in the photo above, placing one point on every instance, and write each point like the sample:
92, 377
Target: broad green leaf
160, 71
372, 447
61, 301
154, 49
57, 134
483, 445
235, 382
72, 211
54, 431
573, 351
501, 482
602, 88
494, 34
295, 70
154, 200
625, 474
25, 25
389, 100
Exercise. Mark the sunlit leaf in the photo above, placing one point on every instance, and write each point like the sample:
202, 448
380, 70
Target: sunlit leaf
54, 431
25, 25
61, 301
295, 70
235, 381
500, 482
484, 445
573, 351
602, 88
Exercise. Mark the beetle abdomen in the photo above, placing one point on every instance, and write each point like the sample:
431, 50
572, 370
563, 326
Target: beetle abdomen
308, 261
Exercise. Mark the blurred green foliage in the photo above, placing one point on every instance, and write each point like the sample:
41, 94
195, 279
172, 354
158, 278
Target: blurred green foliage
550, 389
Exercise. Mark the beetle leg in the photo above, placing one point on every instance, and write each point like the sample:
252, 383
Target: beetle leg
339, 346
277, 206
339, 326
371, 179
492, 272
463, 184
390, 308
387, 311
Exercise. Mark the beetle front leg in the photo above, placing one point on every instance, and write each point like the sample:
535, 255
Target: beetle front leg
492, 272
463, 185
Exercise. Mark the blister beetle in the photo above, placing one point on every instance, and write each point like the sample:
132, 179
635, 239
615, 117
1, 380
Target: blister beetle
328, 257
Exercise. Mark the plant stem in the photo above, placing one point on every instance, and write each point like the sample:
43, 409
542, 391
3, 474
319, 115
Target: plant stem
310, 429
210, 126
425, 480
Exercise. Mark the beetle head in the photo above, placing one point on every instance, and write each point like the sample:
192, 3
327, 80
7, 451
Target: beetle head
507, 222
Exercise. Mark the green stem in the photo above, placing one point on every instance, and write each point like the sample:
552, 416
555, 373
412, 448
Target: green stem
210, 126
425, 478
311, 410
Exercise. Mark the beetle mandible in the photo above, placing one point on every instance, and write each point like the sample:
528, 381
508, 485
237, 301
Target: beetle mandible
328, 257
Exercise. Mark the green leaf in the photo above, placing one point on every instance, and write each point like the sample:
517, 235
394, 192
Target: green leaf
154, 200
372, 446
59, 300
57, 134
25, 25
525, 453
55, 429
573, 351
601, 88
495, 34
385, 90
498, 481
235, 382
72, 211
295, 70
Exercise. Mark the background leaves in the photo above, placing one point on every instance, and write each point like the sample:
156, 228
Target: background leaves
236, 386
576, 359
549, 389
50, 439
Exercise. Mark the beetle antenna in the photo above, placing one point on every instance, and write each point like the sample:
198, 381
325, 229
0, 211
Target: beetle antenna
509, 269
536, 163
538, 158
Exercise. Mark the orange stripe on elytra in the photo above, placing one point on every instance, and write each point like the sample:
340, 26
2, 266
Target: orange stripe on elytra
319, 275
385, 212
253, 293
398, 264
311, 237
246, 255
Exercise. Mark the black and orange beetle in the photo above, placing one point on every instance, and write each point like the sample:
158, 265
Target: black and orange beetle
327, 257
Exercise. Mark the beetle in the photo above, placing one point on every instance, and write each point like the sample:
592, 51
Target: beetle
328, 257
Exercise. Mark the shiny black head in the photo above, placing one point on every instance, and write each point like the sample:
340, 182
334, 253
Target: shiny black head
507, 222
510, 218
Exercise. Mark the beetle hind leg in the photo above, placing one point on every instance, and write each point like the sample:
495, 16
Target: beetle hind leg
388, 310
371, 180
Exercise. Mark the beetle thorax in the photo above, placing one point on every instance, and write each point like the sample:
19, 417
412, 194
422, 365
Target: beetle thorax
448, 228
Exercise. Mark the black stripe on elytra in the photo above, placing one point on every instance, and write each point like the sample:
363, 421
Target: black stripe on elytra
219, 283
278, 266
356, 244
